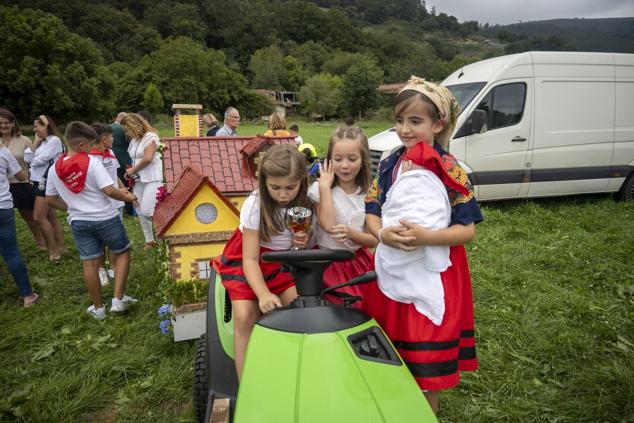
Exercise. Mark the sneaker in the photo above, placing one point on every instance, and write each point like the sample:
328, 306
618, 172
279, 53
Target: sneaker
111, 273
97, 313
121, 305
103, 277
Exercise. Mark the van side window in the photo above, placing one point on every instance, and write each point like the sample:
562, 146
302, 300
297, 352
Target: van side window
504, 105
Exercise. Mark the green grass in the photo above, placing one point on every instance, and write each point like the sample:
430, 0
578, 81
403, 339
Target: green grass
316, 133
554, 302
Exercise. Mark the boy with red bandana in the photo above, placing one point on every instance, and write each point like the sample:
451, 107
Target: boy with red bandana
80, 184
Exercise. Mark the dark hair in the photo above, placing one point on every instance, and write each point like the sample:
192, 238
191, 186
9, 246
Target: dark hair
145, 115
51, 128
364, 177
77, 131
101, 129
280, 161
294, 128
349, 121
5, 113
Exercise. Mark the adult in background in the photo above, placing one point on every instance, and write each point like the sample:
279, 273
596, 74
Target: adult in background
146, 170
277, 127
21, 191
232, 121
46, 148
211, 122
120, 149
8, 236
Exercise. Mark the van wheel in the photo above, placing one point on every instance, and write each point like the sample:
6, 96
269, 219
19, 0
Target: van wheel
200, 379
626, 192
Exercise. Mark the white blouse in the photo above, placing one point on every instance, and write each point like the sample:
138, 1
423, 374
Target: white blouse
154, 170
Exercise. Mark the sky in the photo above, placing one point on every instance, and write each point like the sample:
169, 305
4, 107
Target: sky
513, 11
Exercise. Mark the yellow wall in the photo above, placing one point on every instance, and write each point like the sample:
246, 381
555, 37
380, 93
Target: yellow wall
189, 125
187, 223
237, 201
192, 253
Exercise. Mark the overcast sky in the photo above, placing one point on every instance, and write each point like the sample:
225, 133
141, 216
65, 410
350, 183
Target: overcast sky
513, 11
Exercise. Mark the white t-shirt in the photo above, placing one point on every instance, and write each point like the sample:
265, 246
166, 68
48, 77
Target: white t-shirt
46, 153
250, 219
349, 211
111, 164
154, 171
91, 203
9, 166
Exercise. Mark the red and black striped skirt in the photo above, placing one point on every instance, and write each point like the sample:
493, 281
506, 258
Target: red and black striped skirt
434, 354
229, 267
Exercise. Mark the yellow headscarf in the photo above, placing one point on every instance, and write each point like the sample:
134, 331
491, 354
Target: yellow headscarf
443, 99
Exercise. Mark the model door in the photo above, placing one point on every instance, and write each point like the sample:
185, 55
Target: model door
497, 156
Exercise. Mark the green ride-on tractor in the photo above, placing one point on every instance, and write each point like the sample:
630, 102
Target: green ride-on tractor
312, 361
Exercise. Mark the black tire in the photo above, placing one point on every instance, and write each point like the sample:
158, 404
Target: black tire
200, 379
626, 193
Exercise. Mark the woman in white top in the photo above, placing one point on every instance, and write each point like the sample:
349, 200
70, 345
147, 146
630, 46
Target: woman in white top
22, 191
44, 151
146, 171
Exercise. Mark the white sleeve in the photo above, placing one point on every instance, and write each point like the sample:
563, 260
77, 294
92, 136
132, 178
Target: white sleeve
313, 192
102, 179
12, 164
115, 161
250, 212
28, 155
50, 182
47, 151
150, 138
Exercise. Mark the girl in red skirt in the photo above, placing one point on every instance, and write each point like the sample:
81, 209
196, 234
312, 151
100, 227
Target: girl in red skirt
339, 196
435, 354
256, 287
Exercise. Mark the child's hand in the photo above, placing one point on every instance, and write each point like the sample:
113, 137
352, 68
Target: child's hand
300, 240
419, 233
340, 233
269, 302
392, 237
326, 174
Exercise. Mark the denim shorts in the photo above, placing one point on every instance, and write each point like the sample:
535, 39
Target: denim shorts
91, 237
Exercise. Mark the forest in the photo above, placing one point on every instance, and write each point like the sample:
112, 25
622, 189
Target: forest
77, 59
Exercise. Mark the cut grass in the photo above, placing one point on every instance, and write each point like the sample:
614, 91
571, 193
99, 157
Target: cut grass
554, 296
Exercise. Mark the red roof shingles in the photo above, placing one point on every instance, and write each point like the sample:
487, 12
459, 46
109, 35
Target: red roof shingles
186, 188
220, 159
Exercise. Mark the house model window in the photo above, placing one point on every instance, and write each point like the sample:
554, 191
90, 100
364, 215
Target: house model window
206, 213
204, 270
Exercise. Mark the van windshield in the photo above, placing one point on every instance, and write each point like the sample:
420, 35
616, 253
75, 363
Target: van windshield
464, 93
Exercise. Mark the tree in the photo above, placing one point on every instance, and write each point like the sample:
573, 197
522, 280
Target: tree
360, 86
152, 99
48, 69
267, 66
321, 95
173, 19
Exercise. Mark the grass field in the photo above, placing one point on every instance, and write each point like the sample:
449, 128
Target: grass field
554, 302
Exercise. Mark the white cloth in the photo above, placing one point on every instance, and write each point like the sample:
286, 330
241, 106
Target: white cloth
225, 131
299, 140
111, 164
420, 197
90, 203
349, 211
146, 197
154, 170
250, 219
46, 153
9, 166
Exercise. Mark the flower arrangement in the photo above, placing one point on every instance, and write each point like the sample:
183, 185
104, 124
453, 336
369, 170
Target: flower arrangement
165, 311
161, 195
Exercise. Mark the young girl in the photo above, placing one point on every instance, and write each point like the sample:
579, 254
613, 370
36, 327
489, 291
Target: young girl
146, 169
339, 195
256, 287
46, 148
434, 353
102, 148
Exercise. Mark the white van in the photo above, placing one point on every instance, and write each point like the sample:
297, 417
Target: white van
540, 124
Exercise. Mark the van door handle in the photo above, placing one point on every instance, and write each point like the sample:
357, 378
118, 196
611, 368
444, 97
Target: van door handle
518, 139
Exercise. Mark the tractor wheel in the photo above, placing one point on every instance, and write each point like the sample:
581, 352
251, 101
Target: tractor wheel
200, 379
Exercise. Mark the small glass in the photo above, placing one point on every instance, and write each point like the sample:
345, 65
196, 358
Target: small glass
299, 220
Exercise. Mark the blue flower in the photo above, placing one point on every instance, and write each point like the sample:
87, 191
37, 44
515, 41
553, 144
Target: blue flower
165, 310
165, 326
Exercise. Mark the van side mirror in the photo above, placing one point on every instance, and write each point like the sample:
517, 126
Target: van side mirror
478, 122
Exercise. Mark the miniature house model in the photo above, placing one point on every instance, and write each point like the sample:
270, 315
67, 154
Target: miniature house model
188, 124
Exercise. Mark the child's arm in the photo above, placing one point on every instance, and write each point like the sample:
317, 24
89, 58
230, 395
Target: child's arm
121, 194
326, 206
56, 202
342, 233
454, 235
391, 236
251, 266
21, 176
120, 184
148, 156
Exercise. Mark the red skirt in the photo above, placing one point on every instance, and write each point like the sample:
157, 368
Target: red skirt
229, 267
342, 271
434, 354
